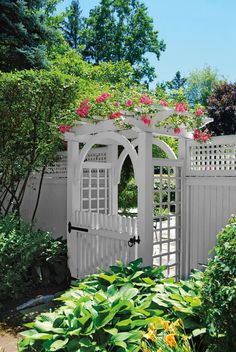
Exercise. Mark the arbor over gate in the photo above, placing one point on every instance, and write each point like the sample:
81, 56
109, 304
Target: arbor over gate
170, 207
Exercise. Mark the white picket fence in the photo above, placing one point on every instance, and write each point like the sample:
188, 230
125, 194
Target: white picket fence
118, 224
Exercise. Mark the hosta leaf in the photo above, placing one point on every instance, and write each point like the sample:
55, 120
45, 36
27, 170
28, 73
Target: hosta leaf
43, 326
124, 322
109, 278
112, 331
121, 336
197, 332
58, 344
149, 281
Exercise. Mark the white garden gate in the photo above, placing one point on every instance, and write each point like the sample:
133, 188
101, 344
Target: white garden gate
182, 203
97, 234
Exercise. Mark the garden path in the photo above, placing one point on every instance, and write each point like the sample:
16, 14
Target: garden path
8, 343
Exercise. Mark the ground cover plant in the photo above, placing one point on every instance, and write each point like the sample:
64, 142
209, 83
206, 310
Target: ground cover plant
111, 311
28, 258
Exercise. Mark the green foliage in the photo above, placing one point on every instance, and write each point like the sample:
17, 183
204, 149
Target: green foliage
28, 258
221, 107
200, 85
128, 194
103, 75
121, 30
177, 82
219, 288
111, 311
24, 34
32, 104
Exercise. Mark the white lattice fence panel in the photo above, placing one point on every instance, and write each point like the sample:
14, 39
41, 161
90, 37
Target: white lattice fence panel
216, 158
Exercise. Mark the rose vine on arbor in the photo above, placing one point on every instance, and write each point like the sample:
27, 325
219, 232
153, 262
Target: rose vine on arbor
115, 106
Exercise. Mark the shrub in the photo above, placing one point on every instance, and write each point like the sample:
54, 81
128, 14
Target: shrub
221, 107
28, 258
32, 105
219, 288
111, 311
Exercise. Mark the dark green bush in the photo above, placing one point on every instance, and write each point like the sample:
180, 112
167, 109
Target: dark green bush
219, 288
28, 258
111, 311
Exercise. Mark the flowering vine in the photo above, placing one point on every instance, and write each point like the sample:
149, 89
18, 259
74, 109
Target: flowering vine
144, 108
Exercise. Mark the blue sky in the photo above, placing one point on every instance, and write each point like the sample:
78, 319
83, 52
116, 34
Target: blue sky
196, 33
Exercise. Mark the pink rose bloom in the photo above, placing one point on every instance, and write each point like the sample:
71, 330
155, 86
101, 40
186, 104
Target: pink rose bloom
129, 103
163, 103
146, 120
196, 134
146, 100
103, 97
181, 107
115, 115
177, 130
199, 112
64, 128
83, 109
116, 103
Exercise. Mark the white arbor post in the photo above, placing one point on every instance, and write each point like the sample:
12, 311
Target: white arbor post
145, 198
73, 199
112, 157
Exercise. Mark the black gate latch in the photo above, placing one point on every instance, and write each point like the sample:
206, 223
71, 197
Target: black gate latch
133, 240
70, 227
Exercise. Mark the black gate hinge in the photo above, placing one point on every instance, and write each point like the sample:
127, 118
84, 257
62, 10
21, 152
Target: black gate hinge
133, 240
70, 227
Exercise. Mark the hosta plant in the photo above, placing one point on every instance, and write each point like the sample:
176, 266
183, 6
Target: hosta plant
111, 311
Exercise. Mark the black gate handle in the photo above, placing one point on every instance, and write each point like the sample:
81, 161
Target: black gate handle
133, 240
70, 227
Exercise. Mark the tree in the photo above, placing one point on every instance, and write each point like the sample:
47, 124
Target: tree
200, 85
177, 82
122, 30
222, 108
72, 25
24, 34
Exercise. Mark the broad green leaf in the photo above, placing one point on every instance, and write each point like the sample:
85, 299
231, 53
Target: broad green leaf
121, 336
58, 344
109, 278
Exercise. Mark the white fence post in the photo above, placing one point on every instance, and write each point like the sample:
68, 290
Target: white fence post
145, 198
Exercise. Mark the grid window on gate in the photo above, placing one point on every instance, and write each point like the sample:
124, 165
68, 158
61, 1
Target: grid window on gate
95, 190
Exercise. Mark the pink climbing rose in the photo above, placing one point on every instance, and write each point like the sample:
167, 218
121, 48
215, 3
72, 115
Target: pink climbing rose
129, 103
163, 103
64, 128
177, 130
115, 115
146, 100
146, 120
181, 107
103, 97
116, 103
201, 136
199, 112
83, 109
